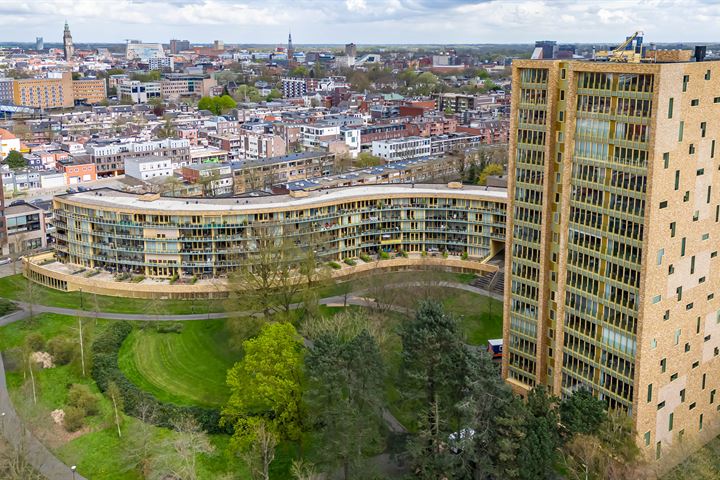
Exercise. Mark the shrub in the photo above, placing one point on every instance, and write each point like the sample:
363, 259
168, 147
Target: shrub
138, 278
81, 397
35, 342
403, 254
334, 265
105, 369
193, 280
62, 350
121, 277
365, 257
464, 256
174, 278
350, 261
175, 327
74, 418
423, 254
6, 307
92, 273
445, 254
384, 255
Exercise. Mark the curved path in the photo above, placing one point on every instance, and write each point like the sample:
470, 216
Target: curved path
12, 428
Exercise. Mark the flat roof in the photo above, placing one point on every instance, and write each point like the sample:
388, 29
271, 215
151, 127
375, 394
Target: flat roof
107, 197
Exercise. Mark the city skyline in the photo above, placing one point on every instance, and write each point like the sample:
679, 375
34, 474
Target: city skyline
361, 21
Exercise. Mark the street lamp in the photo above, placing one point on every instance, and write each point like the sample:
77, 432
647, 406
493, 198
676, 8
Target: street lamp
2, 421
72, 469
81, 299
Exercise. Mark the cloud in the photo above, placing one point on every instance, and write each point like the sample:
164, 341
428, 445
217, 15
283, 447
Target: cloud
361, 21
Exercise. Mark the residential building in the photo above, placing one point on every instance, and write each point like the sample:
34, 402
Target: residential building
56, 91
611, 262
39, 44
200, 155
401, 148
216, 178
351, 51
147, 168
25, 227
265, 172
110, 157
7, 90
207, 237
294, 87
315, 133
79, 169
8, 143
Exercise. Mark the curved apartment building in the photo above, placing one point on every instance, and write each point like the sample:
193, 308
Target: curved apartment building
208, 237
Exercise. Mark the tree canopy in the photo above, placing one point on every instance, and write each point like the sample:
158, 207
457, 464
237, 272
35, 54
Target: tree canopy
217, 105
15, 160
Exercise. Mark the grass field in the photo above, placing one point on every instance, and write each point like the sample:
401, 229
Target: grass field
480, 316
187, 368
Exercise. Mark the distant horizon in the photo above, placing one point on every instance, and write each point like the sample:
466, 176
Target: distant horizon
364, 22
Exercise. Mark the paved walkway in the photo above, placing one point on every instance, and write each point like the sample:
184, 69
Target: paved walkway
46, 463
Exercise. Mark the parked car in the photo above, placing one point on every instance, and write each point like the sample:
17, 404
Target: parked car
5, 261
70, 190
83, 189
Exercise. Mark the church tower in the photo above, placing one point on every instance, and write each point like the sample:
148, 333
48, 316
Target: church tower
68, 43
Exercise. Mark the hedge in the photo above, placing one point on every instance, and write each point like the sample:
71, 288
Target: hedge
105, 370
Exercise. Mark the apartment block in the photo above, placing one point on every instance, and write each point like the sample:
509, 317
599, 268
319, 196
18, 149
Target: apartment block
266, 172
613, 282
110, 157
53, 92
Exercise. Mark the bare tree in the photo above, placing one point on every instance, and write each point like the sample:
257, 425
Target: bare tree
116, 397
140, 446
184, 446
260, 451
14, 462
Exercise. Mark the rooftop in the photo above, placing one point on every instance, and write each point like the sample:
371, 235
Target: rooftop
106, 197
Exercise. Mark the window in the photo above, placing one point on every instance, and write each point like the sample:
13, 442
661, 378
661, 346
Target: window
656, 299
683, 243
666, 158
649, 393
694, 102
647, 438
691, 149
703, 129
692, 264
712, 149
677, 180
661, 405
707, 75
712, 397
700, 423
663, 204
660, 254
670, 421
682, 396
670, 107
678, 290
704, 377
686, 80
700, 171
673, 225
663, 365
673, 377
658, 450
716, 100
678, 332
680, 131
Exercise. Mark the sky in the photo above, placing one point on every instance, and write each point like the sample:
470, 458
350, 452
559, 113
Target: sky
361, 21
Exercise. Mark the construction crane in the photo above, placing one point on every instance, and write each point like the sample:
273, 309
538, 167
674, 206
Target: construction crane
622, 53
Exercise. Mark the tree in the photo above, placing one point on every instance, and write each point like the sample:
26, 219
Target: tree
258, 449
299, 71
539, 447
15, 160
582, 413
365, 159
217, 105
496, 418
489, 170
267, 384
167, 130
247, 93
433, 358
273, 95
15, 462
185, 447
171, 185
345, 394
140, 446
113, 392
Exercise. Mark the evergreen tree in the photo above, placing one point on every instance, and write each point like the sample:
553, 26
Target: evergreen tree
538, 450
582, 413
345, 394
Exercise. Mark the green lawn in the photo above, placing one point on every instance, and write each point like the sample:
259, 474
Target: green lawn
480, 317
187, 368
14, 288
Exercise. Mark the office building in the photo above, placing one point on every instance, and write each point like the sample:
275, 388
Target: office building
25, 227
39, 44
351, 51
139, 92
110, 157
401, 148
177, 46
89, 91
143, 51
148, 168
613, 282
